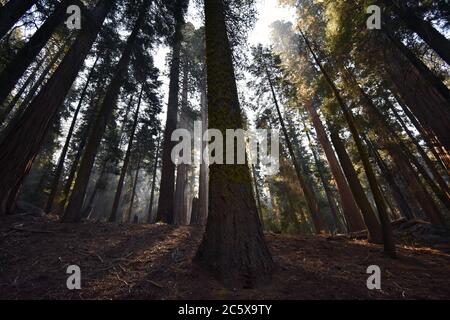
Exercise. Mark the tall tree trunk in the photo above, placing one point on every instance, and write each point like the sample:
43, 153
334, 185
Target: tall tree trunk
165, 211
233, 246
423, 28
152, 193
114, 217
62, 157
11, 12
325, 183
22, 60
88, 208
388, 238
348, 199
35, 122
204, 168
129, 216
310, 197
182, 170
258, 197
73, 209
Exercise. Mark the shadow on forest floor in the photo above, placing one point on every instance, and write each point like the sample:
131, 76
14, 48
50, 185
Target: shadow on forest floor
154, 262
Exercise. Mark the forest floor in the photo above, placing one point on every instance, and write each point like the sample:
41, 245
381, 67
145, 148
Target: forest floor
154, 262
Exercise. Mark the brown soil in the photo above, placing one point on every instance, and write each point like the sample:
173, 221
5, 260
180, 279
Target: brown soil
154, 262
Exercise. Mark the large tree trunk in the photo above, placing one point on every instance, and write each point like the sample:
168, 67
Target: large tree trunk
233, 247
165, 211
59, 169
388, 238
310, 197
349, 205
11, 12
22, 60
115, 217
35, 122
73, 209
437, 41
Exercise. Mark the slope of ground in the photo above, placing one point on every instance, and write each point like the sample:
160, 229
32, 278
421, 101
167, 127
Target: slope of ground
154, 262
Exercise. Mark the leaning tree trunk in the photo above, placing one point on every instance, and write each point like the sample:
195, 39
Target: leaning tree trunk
11, 12
114, 217
325, 183
426, 96
233, 246
73, 209
59, 169
348, 199
167, 188
35, 122
437, 41
375, 232
310, 197
388, 237
22, 60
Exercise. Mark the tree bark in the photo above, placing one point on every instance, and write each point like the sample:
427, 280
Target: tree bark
35, 122
133, 193
73, 209
233, 246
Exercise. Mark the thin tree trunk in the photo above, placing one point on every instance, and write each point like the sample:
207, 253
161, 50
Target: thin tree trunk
152, 193
204, 168
11, 12
310, 197
88, 208
35, 122
165, 211
328, 192
62, 157
22, 60
72, 213
114, 217
233, 246
258, 197
396, 190
133, 193
10, 107
388, 238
